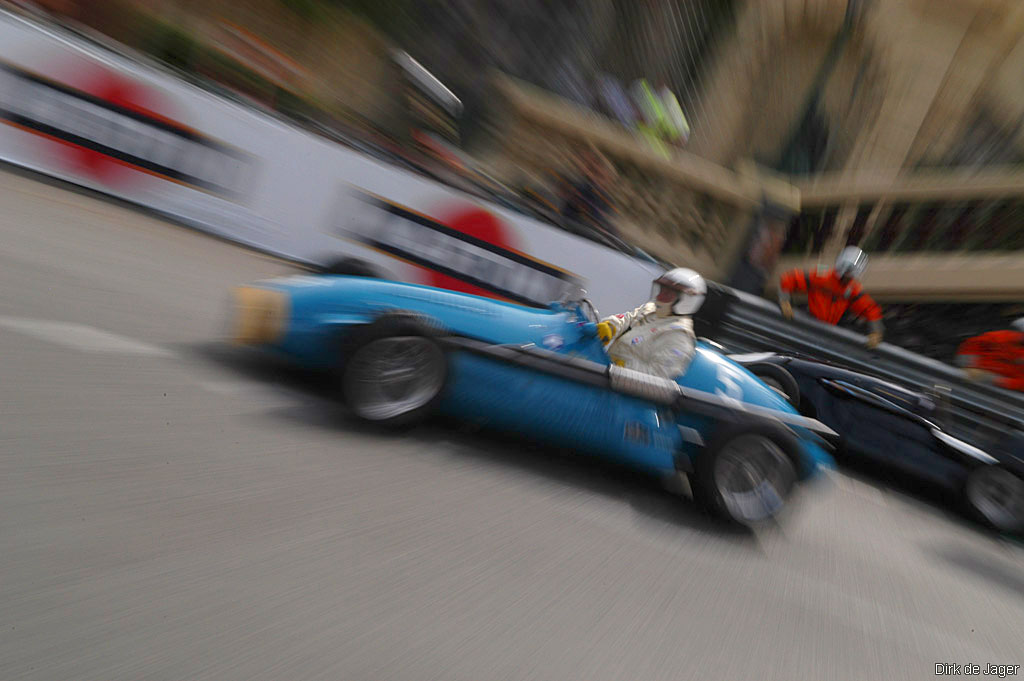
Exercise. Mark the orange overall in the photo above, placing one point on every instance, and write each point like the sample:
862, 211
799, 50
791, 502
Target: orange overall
828, 299
998, 352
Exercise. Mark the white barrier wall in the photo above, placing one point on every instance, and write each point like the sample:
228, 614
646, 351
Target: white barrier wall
80, 113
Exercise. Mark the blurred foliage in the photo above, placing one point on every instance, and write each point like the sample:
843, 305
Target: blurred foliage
390, 16
171, 44
382, 13
230, 72
307, 9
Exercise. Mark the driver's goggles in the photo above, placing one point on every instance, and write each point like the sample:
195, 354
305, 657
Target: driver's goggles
666, 294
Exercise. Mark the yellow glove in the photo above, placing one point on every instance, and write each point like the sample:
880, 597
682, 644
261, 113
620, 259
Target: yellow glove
787, 309
874, 339
604, 332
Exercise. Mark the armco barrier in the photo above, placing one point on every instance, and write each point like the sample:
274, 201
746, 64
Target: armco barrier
748, 323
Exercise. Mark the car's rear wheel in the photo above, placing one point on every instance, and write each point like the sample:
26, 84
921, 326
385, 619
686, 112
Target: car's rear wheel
394, 374
996, 496
779, 380
747, 475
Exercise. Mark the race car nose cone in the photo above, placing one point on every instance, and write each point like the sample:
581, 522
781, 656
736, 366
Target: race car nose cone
260, 315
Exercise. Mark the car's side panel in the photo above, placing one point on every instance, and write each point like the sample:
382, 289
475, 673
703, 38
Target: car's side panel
324, 308
717, 374
896, 441
713, 372
563, 412
870, 433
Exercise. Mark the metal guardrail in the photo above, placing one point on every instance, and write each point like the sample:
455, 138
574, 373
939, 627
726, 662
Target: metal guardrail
747, 323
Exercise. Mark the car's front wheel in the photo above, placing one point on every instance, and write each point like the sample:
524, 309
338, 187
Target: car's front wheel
996, 496
747, 475
394, 375
779, 380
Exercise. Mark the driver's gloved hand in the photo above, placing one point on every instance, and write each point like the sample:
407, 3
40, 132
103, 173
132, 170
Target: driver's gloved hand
604, 332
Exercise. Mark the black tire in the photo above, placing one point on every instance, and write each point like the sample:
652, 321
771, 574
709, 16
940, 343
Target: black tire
995, 497
771, 451
412, 393
779, 380
352, 267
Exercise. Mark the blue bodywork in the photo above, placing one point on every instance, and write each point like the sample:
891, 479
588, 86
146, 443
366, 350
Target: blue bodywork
552, 409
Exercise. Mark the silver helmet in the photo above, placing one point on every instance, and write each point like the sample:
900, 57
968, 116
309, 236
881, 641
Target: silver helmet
851, 262
679, 291
1017, 324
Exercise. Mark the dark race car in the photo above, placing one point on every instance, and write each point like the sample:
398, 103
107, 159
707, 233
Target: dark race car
895, 429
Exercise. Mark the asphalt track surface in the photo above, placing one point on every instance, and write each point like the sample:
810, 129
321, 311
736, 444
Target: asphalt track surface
173, 509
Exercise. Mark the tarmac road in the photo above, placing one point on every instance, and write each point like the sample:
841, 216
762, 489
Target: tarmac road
172, 509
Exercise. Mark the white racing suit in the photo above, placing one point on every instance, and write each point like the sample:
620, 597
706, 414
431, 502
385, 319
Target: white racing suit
643, 341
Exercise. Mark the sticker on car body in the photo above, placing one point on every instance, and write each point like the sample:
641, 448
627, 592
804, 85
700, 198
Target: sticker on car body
553, 341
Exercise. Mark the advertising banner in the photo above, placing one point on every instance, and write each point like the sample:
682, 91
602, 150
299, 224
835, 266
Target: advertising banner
79, 112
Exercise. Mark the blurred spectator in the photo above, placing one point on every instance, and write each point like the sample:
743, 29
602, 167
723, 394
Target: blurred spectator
661, 121
571, 83
651, 115
762, 256
831, 294
615, 102
587, 198
544, 192
678, 129
996, 357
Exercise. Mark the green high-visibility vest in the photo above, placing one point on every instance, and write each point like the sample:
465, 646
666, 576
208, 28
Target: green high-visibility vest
663, 117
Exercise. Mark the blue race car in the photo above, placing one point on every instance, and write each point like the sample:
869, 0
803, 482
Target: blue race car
404, 351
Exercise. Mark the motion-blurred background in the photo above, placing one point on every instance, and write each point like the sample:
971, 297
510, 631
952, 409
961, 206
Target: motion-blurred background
898, 122
174, 507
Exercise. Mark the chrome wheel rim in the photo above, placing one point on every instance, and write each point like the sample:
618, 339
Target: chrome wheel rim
998, 496
753, 476
394, 376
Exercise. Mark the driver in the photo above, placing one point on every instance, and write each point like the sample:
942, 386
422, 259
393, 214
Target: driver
657, 337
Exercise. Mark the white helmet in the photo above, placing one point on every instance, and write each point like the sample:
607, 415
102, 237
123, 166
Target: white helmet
1017, 324
851, 262
679, 291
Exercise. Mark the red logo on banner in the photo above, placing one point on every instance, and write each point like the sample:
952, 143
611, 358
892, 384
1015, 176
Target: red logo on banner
122, 92
479, 223
102, 125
